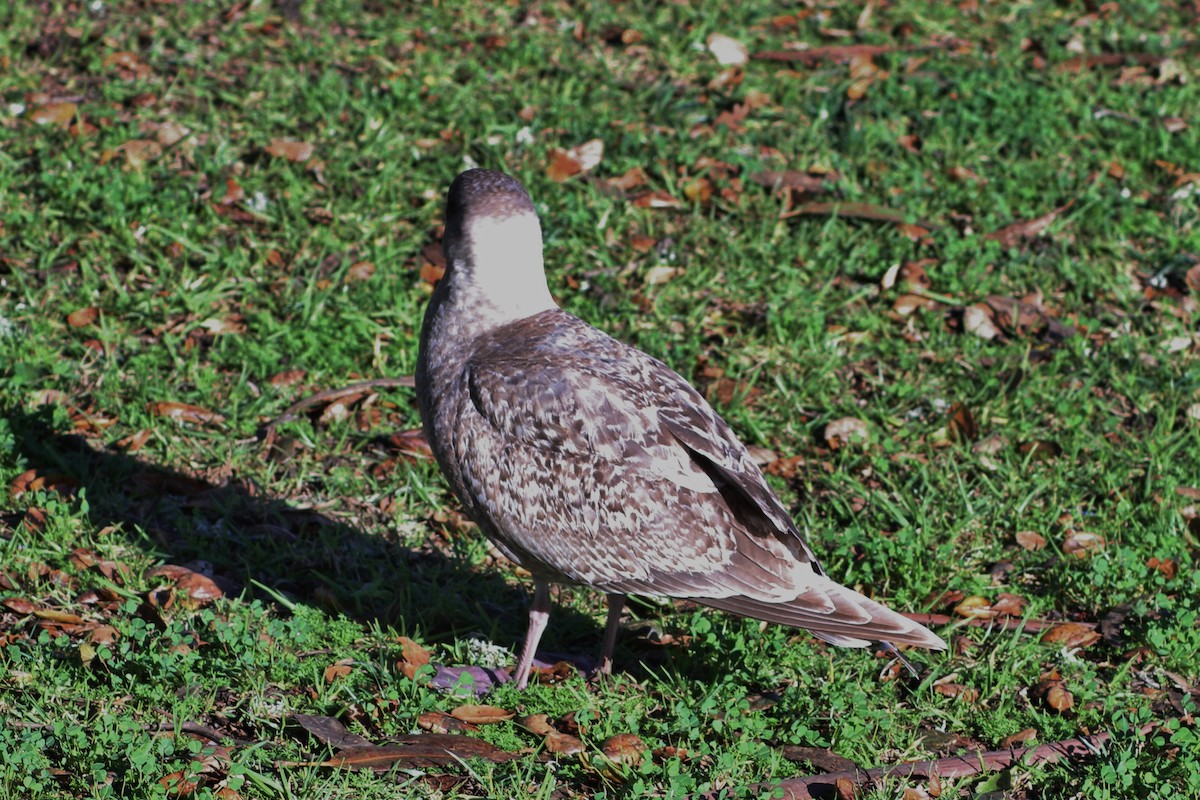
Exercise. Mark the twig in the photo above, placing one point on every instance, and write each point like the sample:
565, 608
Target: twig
268, 431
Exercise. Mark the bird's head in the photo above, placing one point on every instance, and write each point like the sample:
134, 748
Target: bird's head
493, 246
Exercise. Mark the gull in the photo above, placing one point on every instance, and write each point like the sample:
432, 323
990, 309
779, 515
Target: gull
589, 462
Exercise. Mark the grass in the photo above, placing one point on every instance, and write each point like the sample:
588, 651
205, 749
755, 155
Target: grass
232, 280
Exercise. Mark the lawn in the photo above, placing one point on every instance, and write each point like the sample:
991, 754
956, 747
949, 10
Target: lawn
939, 264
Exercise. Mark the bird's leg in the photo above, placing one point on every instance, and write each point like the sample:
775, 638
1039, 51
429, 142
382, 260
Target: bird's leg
616, 602
539, 615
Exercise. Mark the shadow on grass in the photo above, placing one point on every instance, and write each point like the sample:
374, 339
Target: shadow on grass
250, 538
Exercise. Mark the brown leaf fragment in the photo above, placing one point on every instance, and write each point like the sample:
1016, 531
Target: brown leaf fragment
83, 317
1042, 450
20, 605
413, 656
360, 271
1071, 635
1009, 605
977, 320
199, 589
1082, 544
577, 160
290, 149
338, 669
1164, 565
481, 715
134, 441
847, 431
846, 788
975, 607
961, 173
1020, 737
563, 744
631, 179
440, 722
816, 55
330, 731
1174, 124
60, 617
1017, 232
58, 114
621, 752
1059, 698
865, 211
791, 179
185, 412
656, 199
537, 724
34, 520
962, 423
957, 690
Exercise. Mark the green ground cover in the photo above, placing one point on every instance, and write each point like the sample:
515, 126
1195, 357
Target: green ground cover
972, 229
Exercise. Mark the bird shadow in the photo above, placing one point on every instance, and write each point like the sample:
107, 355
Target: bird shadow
262, 546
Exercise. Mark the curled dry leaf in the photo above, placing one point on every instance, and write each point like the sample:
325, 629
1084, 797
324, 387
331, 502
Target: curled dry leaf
1164, 565
656, 199
338, 669
976, 607
1059, 698
412, 657
439, 722
1071, 635
564, 744
290, 149
1082, 544
481, 715
620, 753
83, 316
577, 160
360, 271
964, 693
1030, 540
1017, 232
185, 412
537, 724
1009, 605
57, 114
977, 320
845, 432
1020, 737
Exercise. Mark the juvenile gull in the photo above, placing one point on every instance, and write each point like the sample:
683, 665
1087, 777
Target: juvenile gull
589, 462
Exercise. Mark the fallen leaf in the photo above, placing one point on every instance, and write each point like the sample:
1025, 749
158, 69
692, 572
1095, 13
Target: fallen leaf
360, 271
1017, 232
185, 412
977, 320
1021, 737
338, 669
481, 715
1071, 635
656, 199
957, 690
660, 274
83, 317
563, 744
289, 377
846, 431
975, 607
1082, 544
1009, 605
59, 114
290, 149
199, 589
727, 51
577, 160
415, 750
815, 55
1164, 565
1059, 698
440, 722
412, 657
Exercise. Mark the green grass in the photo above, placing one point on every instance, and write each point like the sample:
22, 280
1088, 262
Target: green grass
331, 543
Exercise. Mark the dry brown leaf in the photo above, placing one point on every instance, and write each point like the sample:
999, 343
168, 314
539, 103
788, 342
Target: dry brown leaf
1059, 698
577, 160
632, 179
199, 589
360, 271
975, 607
412, 657
289, 377
977, 320
1071, 635
59, 114
957, 690
185, 412
1009, 605
1082, 544
847, 431
846, 788
1017, 232
960, 173
83, 316
625, 749
440, 722
481, 715
134, 441
338, 669
1164, 565
290, 149
1021, 737
537, 724
415, 750
563, 744
656, 199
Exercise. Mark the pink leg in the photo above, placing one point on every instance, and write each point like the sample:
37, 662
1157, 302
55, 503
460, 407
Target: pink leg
616, 602
539, 615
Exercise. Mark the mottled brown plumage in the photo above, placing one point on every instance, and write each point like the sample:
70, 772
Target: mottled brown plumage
589, 462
